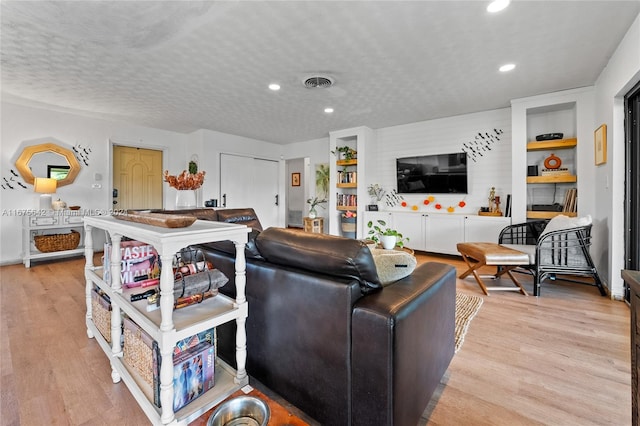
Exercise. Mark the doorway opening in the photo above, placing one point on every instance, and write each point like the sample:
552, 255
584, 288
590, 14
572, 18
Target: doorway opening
297, 172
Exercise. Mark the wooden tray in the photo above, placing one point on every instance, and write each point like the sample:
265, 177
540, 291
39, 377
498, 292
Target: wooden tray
158, 219
489, 213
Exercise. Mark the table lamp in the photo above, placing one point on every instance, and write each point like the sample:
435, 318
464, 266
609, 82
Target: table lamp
46, 187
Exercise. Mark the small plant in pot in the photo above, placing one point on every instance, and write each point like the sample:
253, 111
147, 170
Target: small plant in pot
387, 237
313, 203
346, 152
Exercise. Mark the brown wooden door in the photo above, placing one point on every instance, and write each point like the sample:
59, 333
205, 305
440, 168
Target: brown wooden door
137, 178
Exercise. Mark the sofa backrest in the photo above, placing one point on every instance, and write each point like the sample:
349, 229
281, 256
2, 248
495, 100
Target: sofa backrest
244, 216
321, 253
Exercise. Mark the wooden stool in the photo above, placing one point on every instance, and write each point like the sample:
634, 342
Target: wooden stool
314, 225
496, 255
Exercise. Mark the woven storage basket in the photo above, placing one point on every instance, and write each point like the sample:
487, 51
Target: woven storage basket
138, 350
57, 242
101, 315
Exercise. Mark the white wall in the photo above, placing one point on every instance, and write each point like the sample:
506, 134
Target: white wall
208, 145
22, 123
447, 135
619, 76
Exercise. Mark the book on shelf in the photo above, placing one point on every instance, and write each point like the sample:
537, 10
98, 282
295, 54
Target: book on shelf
570, 204
194, 361
347, 177
347, 200
555, 172
139, 265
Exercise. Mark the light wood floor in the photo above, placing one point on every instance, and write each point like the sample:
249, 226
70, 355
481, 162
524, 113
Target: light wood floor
560, 359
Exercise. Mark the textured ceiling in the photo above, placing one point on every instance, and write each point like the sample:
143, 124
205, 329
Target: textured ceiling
191, 65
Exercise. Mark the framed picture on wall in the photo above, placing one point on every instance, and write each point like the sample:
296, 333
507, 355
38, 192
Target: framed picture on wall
295, 179
600, 144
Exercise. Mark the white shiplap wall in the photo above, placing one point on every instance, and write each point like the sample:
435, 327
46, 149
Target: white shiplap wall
447, 135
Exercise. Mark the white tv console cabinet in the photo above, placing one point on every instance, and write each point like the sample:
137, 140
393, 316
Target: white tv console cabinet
440, 232
165, 325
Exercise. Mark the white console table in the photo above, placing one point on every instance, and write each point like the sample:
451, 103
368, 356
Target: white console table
165, 325
53, 222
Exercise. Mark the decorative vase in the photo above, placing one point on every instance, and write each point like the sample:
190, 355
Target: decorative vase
348, 227
185, 199
313, 213
388, 241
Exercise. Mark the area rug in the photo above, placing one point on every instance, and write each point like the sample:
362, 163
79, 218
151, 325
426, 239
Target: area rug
467, 306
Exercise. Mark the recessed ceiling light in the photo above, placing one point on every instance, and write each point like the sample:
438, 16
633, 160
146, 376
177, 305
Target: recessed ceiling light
274, 86
497, 5
507, 67
328, 110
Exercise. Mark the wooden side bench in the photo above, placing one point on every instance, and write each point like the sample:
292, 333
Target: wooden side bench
476, 255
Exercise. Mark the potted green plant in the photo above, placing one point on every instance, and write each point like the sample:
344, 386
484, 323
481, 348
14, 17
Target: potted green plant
347, 153
313, 202
387, 237
376, 192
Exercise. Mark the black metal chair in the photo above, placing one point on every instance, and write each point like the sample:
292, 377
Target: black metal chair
563, 252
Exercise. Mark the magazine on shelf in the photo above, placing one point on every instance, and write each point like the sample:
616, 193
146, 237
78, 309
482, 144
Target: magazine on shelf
202, 342
139, 266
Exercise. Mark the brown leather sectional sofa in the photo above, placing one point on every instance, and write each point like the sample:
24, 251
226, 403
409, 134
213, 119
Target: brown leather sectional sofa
325, 335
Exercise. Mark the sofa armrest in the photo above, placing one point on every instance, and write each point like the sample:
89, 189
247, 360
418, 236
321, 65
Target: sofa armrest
402, 343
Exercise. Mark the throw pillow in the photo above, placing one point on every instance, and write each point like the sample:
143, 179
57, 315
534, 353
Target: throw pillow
565, 222
393, 265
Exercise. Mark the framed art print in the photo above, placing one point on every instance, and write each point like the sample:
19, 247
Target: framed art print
600, 144
295, 179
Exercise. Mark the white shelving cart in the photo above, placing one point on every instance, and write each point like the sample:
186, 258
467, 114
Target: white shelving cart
165, 325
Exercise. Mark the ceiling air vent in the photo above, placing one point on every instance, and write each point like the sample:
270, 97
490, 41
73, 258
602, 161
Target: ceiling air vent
318, 82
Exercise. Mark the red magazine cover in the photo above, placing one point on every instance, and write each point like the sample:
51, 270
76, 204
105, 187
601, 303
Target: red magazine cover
139, 266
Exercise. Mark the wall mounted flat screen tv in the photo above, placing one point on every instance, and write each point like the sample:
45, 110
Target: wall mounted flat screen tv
432, 174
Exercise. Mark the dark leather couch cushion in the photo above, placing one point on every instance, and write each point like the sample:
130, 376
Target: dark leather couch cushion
250, 251
244, 216
322, 253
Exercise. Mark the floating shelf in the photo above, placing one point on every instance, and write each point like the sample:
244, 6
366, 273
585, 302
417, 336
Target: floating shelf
347, 162
552, 179
347, 185
536, 214
346, 207
552, 144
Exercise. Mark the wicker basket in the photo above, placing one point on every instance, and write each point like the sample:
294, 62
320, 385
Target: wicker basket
101, 315
138, 350
57, 242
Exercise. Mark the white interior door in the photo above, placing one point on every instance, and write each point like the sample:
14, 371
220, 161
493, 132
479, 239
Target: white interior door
250, 182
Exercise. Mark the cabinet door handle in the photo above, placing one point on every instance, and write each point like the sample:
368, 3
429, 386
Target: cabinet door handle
277, 199
224, 200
